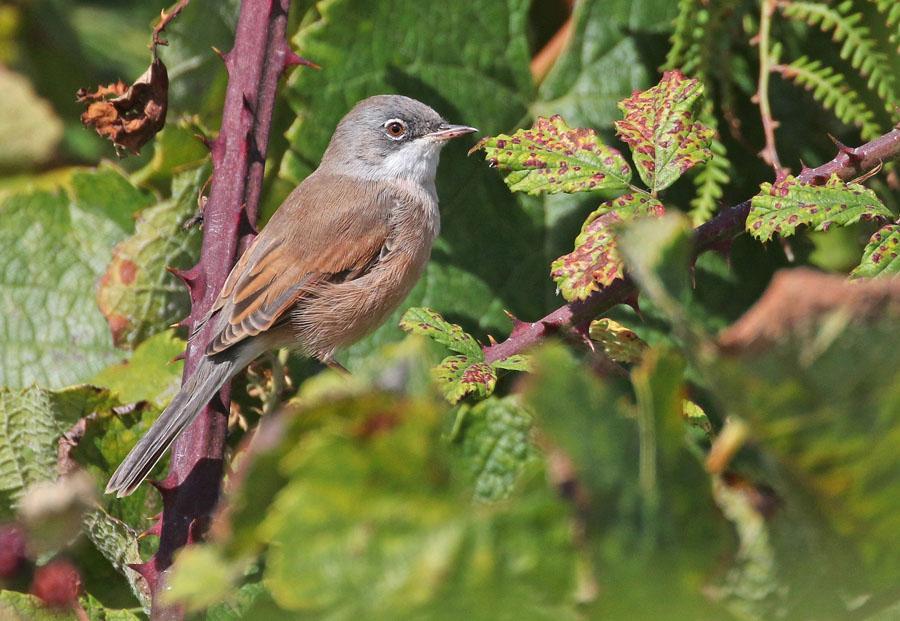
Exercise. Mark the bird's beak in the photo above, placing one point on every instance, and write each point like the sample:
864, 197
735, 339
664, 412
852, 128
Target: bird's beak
447, 131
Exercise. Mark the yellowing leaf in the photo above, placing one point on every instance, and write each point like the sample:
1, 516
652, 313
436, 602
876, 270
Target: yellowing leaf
428, 322
618, 342
595, 261
660, 126
552, 157
783, 206
459, 376
882, 254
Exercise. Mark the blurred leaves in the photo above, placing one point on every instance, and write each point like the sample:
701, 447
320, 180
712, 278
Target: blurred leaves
16, 606
29, 128
53, 247
31, 421
413, 546
831, 423
493, 441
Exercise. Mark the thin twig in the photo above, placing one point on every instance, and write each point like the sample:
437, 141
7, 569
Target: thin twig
769, 153
164, 20
847, 164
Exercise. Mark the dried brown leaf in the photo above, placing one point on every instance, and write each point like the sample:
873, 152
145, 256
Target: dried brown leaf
129, 116
799, 298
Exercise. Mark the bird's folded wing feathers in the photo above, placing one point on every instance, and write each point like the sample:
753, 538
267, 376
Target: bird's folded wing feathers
304, 244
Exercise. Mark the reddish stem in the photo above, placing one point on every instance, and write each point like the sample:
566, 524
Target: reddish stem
259, 57
848, 163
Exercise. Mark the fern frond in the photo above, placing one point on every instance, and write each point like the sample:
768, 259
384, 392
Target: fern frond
829, 88
697, 36
713, 176
891, 11
685, 51
857, 46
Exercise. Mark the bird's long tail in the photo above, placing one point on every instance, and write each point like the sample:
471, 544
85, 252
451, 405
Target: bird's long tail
207, 379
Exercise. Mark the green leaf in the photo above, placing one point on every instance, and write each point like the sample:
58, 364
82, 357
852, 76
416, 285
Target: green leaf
783, 206
660, 126
516, 362
137, 295
552, 157
458, 376
102, 441
494, 445
428, 322
658, 254
595, 263
151, 374
118, 543
618, 342
15, 606
611, 53
881, 257
201, 577
31, 421
52, 250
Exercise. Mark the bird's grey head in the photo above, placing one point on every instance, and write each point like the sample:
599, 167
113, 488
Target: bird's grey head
390, 136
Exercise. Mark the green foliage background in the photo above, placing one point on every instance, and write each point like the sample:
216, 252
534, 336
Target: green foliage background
567, 493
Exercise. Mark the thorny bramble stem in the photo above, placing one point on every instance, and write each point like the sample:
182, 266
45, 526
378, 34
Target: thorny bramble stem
259, 57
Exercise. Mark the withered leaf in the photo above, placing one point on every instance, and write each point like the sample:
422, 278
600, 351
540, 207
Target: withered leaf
129, 116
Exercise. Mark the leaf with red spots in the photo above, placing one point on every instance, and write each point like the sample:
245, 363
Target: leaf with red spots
137, 295
783, 206
882, 254
552, 157
618, 342
516, 362
459, 376
467, 373
428, 322
660, 126
595, 261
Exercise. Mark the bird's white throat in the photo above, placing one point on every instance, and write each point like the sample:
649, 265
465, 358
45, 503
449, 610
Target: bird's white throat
416, 161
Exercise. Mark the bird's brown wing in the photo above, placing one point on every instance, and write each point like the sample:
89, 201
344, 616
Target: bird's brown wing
329, 228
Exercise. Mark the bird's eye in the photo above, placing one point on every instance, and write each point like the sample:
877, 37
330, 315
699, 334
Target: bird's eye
395, 129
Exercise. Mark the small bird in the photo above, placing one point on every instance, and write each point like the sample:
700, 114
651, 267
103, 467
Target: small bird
337, 257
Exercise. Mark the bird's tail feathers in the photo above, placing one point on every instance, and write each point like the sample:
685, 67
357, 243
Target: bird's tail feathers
207, 379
